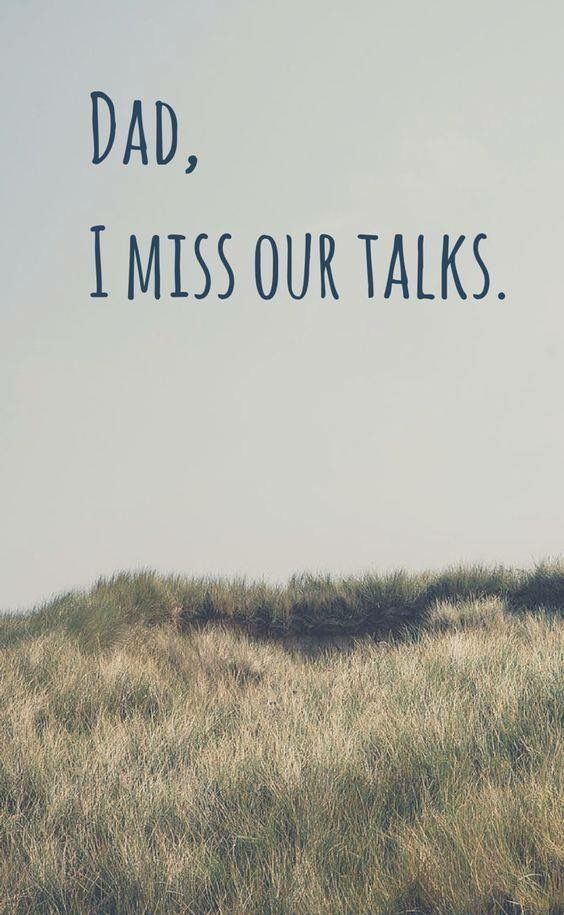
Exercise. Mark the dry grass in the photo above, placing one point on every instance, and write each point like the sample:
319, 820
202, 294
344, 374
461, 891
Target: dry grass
205, 771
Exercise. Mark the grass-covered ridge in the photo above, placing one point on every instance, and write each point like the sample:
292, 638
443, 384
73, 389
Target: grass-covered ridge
306, 605
150, 765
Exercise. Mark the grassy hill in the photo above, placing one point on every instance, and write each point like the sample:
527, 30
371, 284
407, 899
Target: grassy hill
175, 745
306, 605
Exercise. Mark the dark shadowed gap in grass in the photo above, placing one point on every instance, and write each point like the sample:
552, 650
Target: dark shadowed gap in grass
309, 606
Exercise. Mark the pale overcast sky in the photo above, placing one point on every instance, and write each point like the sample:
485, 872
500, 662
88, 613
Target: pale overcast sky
253, 437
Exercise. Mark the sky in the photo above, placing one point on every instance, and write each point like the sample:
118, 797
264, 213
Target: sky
253, 437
